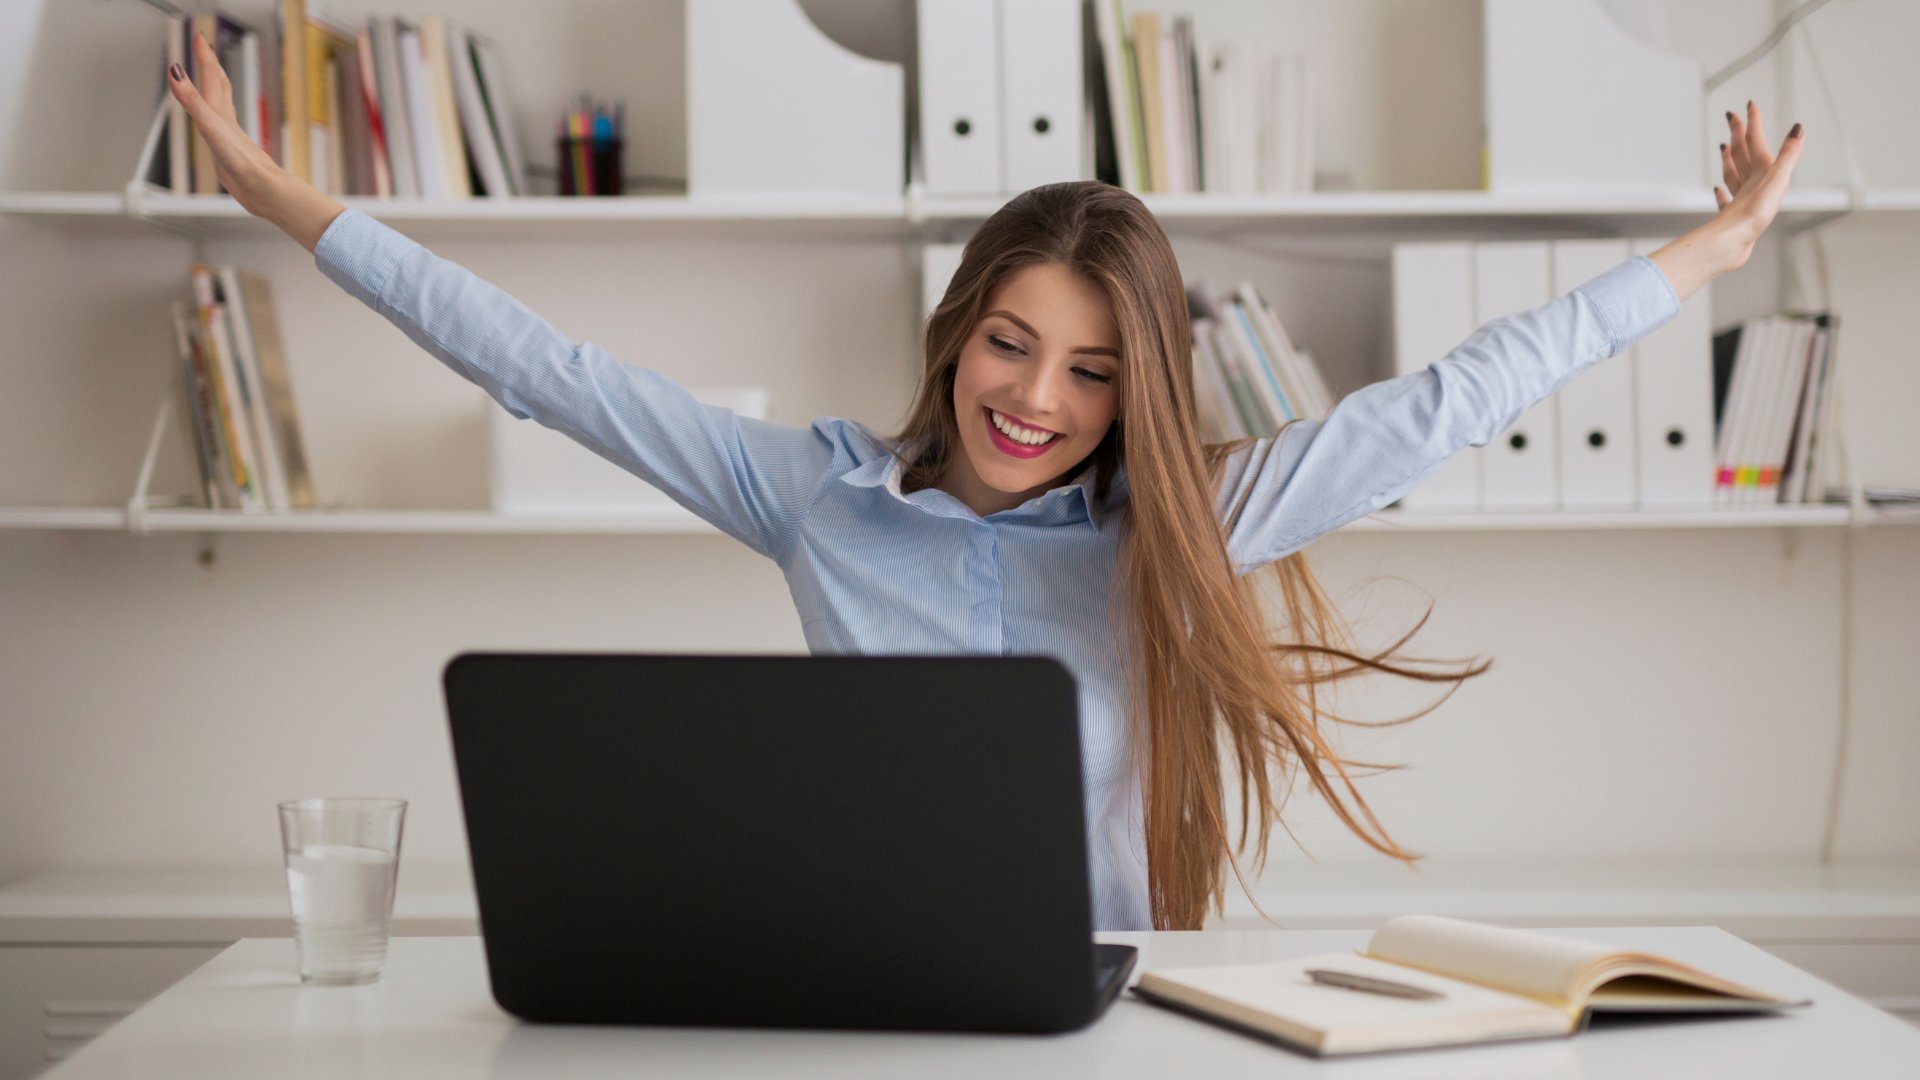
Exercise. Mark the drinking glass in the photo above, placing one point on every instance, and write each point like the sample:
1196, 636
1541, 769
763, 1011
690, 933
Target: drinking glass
343, 859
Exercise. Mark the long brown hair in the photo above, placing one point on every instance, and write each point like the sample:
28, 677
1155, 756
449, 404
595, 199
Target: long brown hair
1208, 681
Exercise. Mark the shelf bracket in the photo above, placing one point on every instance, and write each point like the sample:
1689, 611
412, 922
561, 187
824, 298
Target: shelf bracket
137, 505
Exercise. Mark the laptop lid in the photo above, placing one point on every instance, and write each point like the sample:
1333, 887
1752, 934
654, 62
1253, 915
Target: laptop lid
831, 841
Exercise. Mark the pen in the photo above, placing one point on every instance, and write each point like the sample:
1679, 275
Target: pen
1348, 980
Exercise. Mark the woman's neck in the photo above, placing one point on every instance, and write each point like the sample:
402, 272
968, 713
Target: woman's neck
964, 484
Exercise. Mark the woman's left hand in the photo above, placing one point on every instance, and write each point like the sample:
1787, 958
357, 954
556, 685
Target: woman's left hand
1756, 179
1756, 182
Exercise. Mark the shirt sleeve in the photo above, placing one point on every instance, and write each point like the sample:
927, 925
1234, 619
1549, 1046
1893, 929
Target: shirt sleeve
1313, 476
752, 479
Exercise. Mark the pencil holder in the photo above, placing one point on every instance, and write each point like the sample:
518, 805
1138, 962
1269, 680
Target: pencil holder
589, 166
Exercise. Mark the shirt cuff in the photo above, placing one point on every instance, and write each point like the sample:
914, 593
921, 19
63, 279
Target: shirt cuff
359, 254
1632, 300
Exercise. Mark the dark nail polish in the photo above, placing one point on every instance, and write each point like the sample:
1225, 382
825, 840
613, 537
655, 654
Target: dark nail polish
1749, 104
1729, 116
1723, 148
1795, 133
177, 72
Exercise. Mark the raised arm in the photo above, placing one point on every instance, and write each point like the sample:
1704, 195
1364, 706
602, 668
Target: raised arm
1277, 494
750, 478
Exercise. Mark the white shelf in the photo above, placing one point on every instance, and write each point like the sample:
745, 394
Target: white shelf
1730, 517
64, 203
674, 520
667, 520
1415, 213
913, 213
63, 517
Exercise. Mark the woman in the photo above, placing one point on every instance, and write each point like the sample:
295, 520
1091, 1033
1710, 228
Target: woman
1050, 493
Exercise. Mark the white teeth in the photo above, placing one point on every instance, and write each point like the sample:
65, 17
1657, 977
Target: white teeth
1024, 435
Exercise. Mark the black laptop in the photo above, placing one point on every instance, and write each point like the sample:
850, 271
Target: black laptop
789, 841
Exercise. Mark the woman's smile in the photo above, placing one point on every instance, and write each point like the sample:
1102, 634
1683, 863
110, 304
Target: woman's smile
1015, 438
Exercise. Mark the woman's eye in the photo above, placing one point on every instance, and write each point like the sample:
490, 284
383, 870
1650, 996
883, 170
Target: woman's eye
1003, 346
1092, 376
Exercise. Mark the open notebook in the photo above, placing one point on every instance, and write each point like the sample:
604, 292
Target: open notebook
1498, 983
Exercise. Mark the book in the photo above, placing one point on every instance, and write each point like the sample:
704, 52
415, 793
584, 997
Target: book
199, 414
1497, 984
260, 419
254, 312
394, 119
1820, 445
225, 34
476, 126
425, 146
229, 395
492, 74
290, 22
435, 41
178, 147
1146, 54
326, 43
378, 157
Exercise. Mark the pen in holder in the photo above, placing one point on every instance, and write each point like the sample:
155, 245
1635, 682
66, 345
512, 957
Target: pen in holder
589, 142
589, 166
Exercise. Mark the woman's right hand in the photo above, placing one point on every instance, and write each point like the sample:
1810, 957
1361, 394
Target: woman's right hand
250, 175
245, 170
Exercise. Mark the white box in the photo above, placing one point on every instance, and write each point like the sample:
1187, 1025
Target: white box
537, 471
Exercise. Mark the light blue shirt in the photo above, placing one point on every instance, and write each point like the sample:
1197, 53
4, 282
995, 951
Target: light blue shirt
873, 570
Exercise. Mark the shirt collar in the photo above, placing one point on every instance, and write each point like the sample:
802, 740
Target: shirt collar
1070, 503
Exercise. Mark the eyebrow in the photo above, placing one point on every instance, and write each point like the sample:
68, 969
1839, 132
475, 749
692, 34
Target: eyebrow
1022, 324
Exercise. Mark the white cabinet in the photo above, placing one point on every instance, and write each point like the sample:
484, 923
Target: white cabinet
53, 998
80, 949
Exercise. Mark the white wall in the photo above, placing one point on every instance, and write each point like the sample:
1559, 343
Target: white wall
1655, 693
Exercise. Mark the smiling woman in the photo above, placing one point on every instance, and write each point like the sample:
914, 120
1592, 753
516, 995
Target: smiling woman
1061, 352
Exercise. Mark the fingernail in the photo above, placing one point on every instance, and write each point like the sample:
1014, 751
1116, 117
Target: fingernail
1729, 116
1723, 148
1749, 104
176, 71
1795, 133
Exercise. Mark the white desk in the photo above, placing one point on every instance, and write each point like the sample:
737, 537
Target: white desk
244, 1014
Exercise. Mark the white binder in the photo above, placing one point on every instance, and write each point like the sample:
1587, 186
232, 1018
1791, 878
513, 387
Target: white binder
1042, 84
1673, 399
1521, 470
938, 262
960, 131
1432, 314
1596, 406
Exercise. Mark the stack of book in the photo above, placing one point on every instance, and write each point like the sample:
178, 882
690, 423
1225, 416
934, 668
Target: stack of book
1248, 377
238, 401
1772, 407
387, 107
1175, 114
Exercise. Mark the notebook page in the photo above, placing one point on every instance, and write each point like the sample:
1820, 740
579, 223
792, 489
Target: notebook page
1280, 998
1527, 962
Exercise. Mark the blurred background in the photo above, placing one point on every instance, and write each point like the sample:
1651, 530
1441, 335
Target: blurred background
1686, 721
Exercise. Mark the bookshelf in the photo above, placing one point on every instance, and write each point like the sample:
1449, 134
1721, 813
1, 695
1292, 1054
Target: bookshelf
1372, 220
131, 601
916, 216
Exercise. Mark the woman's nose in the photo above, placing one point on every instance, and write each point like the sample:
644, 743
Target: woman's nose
1039, 391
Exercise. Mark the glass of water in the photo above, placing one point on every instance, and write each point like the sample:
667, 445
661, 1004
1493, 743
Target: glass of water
343, 858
